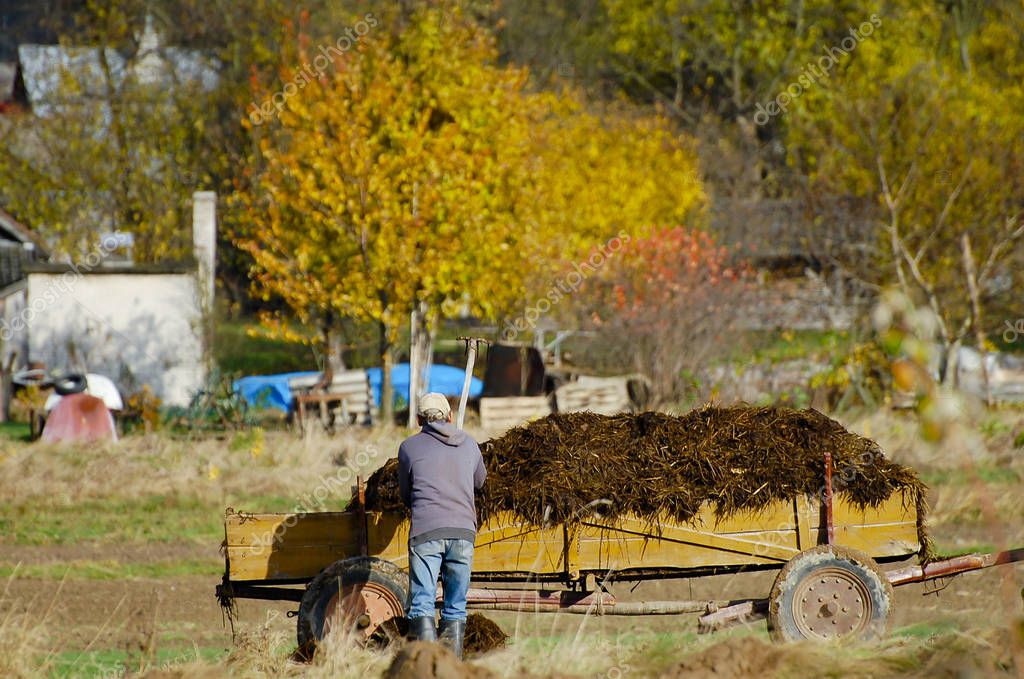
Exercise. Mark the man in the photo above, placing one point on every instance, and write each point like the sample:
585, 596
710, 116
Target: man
438, 471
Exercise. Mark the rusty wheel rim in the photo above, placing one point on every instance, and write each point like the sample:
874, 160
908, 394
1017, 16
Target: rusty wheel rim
364, 609
832, 603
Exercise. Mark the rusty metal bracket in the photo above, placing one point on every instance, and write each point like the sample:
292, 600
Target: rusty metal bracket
830, 529
937, 585
364, 548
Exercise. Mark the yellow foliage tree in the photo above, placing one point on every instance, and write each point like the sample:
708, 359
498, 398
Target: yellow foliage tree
419, 173
936, 144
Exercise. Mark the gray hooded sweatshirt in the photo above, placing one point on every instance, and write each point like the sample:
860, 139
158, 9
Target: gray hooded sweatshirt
438, 470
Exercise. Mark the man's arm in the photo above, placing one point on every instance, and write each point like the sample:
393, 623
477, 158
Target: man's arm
480, 473
404, 477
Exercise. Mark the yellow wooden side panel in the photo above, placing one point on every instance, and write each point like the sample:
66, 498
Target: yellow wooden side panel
502, 544
744, 538
505, 543
296, 546
287, 546
890, 529
771, 536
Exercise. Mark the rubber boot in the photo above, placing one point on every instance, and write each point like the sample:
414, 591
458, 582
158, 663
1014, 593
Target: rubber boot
452, 632
422, 629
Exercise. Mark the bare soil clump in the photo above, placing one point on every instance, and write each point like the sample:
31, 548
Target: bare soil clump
427, 660
482, 635
733, 659
653, 465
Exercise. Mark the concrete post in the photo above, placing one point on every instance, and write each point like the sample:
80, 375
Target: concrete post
204, 248
204, 242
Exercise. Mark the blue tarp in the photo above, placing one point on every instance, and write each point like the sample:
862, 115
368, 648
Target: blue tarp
443, 378
271, 391
268, 391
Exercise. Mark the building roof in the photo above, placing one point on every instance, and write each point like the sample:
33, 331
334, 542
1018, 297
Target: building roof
13, 230
45, 69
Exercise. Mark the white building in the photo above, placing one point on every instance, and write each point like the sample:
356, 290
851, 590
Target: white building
139, 324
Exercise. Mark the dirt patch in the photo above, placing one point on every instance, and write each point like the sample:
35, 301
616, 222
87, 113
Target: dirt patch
178, 611
995, 653
128, 552
733, 659
739, 458
425, 660
482, 635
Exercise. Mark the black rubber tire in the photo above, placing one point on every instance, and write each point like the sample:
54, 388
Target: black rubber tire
848, 564
340, 574
73, 383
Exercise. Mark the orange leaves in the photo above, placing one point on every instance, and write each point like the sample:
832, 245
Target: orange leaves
670, 264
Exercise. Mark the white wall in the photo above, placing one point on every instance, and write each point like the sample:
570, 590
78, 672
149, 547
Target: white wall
136, 328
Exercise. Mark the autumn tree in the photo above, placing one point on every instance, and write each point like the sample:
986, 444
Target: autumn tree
387, 181
417, 171
928, 133
665, 305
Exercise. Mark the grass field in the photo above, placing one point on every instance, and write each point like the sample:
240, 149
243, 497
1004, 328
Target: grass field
109, 556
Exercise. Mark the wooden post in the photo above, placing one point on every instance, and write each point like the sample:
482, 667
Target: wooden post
471, 346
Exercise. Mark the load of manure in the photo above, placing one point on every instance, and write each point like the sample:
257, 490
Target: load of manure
740, 458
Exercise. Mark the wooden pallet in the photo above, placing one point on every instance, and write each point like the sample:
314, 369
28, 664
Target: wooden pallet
501, 413
602, 395
347, 400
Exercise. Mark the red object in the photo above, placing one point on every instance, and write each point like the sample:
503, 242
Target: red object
79, 417
828, 497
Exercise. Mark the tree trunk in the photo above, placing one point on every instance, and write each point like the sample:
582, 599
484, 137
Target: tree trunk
414, 364
948, 364
334, 360
421, 356
979, 328
335, 349
387, 392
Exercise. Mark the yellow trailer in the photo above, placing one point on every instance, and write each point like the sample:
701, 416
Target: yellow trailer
349, 568
295, 548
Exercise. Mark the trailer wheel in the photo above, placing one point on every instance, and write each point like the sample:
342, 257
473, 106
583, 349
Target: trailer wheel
364, 595
830, 593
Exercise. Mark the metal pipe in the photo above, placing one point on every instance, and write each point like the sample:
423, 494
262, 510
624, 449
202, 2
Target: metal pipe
618, 608
534, 598
954, 566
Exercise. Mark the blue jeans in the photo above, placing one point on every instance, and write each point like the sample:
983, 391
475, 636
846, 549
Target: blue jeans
453, 559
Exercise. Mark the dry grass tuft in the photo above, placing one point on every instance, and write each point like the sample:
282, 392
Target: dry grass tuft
245, 463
